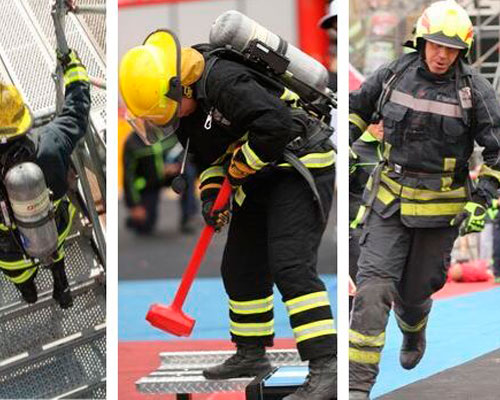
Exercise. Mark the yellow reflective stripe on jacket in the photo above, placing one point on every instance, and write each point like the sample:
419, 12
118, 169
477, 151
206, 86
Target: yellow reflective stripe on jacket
212, 172
251, 307
22, 277
252, 329
487, 171
422, 194
307, 302
358, 121
76, 74
315, 160
365, 340
364, 357
411, 328
448, 166
314, 330
431, 209
252, 159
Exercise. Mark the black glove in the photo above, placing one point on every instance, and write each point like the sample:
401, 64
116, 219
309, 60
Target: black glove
217, 218
209, 189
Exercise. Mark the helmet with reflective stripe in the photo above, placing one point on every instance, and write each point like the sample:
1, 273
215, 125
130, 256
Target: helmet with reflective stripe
15, 116
151, 78
445, 23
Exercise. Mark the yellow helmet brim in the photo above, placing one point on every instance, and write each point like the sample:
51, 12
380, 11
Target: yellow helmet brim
20, 128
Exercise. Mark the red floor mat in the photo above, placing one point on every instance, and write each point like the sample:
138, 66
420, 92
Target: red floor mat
452, 289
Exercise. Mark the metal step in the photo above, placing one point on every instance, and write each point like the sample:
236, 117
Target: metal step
26, 328
181, 372
60, 366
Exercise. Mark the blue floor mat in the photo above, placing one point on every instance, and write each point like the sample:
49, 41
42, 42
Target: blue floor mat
460, 329
206, 303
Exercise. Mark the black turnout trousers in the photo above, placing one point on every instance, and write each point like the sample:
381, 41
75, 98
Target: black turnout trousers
274, 238
399, 265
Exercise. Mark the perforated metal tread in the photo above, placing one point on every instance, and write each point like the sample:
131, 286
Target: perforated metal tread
56, 370
181, 372
29, 327
27, 44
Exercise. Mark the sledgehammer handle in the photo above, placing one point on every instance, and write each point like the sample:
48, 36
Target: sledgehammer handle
200, 249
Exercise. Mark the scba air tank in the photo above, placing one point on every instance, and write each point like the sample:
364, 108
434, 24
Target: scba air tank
32, 209
237, 30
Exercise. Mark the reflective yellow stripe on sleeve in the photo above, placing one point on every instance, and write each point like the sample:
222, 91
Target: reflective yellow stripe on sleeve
364, 357
365, 340
307, 302
487, 171
252, 307
239, 196
252, 160
358, 121
314, 330
252, 329
212, 172
76, 74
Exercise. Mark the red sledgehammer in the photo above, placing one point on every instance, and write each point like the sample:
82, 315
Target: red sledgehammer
171, 318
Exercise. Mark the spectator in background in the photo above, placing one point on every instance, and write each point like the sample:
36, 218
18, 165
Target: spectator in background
329, 23
148, 169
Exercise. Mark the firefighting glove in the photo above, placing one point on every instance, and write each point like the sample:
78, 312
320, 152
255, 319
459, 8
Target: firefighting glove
239, 171
208, 193
73, 68
216, 218
471, 219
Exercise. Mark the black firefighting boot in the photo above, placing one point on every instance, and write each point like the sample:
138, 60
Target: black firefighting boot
61, 292
28, 290
321, 383
358, 395
412, 349
249, 360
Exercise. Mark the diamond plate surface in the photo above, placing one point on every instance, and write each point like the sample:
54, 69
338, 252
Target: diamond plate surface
190, 385
204, 359
49, 376
181, 372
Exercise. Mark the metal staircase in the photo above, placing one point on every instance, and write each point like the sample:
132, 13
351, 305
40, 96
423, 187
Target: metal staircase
46, 352
485, 15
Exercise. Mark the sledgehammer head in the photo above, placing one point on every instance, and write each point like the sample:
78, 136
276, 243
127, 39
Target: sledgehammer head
170, 319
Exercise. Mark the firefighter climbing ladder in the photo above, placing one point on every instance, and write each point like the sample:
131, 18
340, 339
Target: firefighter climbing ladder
46, 352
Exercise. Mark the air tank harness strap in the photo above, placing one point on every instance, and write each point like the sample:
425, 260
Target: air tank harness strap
376, 176
295, 162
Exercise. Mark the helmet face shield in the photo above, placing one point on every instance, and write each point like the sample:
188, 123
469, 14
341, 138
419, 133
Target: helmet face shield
150, 85
149, 132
